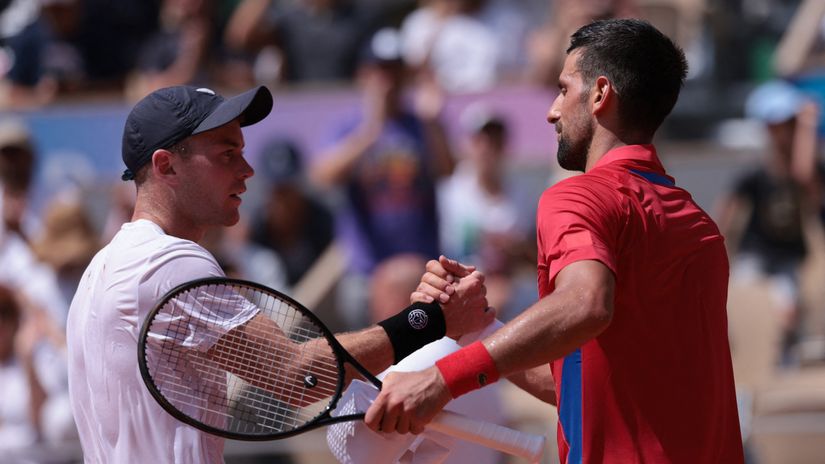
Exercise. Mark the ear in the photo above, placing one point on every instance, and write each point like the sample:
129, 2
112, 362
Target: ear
603, 95
163, 165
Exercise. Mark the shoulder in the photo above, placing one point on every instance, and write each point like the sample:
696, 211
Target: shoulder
580, 190
147, 244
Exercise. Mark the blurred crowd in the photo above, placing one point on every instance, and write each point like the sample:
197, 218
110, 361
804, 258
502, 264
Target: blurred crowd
344, 228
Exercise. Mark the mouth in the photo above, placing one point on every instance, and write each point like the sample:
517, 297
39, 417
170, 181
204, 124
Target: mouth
237, 195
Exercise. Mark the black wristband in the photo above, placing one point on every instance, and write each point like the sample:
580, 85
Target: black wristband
414, 327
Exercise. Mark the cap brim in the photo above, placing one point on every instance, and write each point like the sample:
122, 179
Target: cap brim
251, 106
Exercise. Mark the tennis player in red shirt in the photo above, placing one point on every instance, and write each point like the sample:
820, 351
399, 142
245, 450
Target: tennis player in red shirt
632, 279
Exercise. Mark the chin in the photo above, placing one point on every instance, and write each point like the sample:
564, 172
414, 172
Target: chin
231, 219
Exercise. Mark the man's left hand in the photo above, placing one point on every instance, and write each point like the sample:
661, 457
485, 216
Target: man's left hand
408, 401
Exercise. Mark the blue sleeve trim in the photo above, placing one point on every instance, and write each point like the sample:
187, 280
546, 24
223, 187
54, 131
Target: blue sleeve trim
654, 178
570, 405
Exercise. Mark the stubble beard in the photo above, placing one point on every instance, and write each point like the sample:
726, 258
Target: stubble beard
572, 155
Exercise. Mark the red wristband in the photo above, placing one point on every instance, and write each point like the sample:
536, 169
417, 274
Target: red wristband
467, 369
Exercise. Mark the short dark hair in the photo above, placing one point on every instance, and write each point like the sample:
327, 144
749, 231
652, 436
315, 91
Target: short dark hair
646, 68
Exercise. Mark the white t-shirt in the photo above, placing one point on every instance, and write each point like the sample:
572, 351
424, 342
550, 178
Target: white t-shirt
462, 51
16, 428
19, 269
117, 418
467, 213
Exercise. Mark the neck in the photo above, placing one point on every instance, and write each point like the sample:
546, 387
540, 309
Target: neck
605, 140
162, 214
490, 182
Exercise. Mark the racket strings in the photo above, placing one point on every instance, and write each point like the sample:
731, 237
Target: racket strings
269, 377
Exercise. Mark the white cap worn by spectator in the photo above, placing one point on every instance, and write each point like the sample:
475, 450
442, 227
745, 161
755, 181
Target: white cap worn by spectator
774, 102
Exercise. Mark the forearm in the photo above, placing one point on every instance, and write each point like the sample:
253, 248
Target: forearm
796, 44
550, 329
245, 30
37, 394
337, 164
805, 152
372, 349
439, 146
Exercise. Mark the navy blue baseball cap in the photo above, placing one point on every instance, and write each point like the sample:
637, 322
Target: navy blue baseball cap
169, 115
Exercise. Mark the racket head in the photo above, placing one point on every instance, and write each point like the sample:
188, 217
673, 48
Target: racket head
188, 384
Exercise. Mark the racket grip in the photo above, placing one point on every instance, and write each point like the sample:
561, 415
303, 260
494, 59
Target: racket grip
507, 440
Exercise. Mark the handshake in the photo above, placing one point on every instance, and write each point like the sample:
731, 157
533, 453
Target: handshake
460, 291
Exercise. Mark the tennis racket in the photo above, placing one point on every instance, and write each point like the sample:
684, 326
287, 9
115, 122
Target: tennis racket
239, 360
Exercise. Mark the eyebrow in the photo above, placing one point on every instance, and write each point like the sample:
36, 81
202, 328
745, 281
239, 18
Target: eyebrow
228, 142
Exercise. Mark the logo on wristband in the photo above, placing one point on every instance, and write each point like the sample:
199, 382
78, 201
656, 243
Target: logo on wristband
417, 318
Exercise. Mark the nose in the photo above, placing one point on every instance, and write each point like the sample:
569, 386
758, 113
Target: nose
554, 114
246, 170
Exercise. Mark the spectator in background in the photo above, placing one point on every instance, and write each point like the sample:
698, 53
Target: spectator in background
241, 259
387, 160
121, 205
314, 40
110, 36
800, 54
479, 222
17, 162
65, 46
763, 218
448, 38
546, 46
42, 58
392, 282
66, 243
19, 268
176, 53
473, 203
33, 387
294, 223
802, 48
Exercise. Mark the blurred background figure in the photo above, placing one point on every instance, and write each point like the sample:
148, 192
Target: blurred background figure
19, 267
242, 259
548, 44
448, 38
479, 221
176, 53
66, 243
293, 222
765, 217
303, 41
800, 54
119, 210
60, 47
33, 384
392, 282
17, 164
42, 58
387, 161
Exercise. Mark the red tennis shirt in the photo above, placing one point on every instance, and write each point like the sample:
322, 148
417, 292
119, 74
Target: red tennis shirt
657, 385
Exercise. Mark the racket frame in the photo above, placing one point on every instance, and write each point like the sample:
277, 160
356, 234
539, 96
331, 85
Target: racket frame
324, 418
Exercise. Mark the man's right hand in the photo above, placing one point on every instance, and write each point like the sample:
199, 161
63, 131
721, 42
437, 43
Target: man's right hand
461, 292
440, 280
